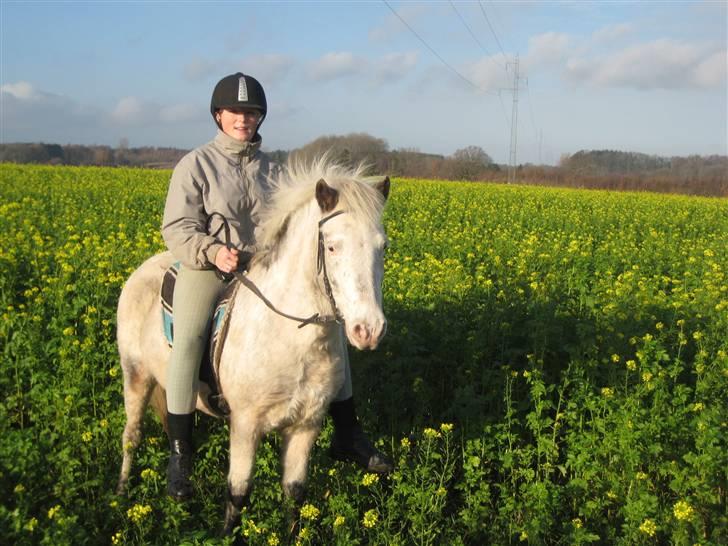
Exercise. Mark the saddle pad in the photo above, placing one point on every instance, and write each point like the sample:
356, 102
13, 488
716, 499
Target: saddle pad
218, 330
167, 300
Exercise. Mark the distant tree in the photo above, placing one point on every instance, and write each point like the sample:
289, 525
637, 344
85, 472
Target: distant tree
473, 154
469, 163
350, 149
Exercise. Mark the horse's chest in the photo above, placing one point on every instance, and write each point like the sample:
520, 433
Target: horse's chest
311, 394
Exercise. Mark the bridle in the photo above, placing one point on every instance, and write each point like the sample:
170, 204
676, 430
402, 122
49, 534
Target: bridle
241, 276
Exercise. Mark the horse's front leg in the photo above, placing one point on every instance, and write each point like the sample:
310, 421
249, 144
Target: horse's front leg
244, 438
297, 445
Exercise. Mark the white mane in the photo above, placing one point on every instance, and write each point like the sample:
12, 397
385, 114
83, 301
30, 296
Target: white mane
297, 186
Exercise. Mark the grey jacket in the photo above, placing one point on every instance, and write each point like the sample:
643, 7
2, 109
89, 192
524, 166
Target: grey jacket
225, 176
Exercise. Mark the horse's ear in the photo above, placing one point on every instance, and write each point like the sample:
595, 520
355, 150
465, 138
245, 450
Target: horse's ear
326, 196
383, 187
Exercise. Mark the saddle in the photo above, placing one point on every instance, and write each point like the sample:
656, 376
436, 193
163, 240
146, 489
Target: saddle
209, 367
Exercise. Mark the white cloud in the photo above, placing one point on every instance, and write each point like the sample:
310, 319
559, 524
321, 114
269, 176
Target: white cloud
268, 68
28, 112
713, 71
336, 65
179, 112
394, 66
612, 32
131, 110
134, 111
20, 90
488, 74
550, 47
200, 69
662, 64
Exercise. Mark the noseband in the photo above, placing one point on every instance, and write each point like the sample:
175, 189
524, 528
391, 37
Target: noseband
316, 318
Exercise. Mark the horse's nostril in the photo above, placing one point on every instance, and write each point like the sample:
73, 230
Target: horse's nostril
361, 332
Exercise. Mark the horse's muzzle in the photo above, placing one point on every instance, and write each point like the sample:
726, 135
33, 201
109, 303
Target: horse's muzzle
365, 336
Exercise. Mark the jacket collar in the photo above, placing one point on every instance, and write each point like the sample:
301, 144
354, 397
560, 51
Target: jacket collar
236, 147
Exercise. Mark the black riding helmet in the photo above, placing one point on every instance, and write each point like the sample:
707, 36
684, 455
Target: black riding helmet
239, 91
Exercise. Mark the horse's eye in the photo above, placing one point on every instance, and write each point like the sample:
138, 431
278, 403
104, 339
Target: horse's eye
331, 248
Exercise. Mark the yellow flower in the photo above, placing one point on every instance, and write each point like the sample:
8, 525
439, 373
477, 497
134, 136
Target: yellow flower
431, 433
369, 479
304, 533
309, 511
441, 491
332, 472
104, 423
631, 365
446, 427
87, 436
31, 525
576, 522
370, 518
405, 443
273, 540
682, 510
648, 527
53, 511
149, 474
19, 488
607, 392
659, 326
641, 476
339, 521
138, 512
113, 372
523, 537
116, 538
615, 358
646, 376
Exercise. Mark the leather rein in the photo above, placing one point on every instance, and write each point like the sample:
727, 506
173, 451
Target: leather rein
241, 276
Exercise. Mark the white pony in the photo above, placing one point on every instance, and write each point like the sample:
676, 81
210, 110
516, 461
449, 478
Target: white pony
324, 243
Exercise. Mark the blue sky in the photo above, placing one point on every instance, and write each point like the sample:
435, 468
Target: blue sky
639, 76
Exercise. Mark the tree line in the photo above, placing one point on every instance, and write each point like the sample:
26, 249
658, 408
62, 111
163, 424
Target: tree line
594, 169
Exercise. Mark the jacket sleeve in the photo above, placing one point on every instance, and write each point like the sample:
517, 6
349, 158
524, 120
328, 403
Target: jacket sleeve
185, 219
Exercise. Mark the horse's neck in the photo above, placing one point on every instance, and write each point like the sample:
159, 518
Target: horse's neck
288, 278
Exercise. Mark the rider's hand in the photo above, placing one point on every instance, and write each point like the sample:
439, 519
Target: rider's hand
226, 259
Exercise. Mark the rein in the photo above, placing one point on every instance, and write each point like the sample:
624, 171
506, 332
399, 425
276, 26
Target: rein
316, 318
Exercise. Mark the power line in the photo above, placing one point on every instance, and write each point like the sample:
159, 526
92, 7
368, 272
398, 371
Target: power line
482, 9
443, 61
465, 24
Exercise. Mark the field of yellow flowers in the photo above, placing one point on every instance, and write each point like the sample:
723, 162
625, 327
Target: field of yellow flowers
555, 372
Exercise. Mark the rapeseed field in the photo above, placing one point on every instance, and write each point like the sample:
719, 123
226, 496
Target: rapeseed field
555, 372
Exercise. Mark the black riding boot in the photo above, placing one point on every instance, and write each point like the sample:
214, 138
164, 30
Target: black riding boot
350, 443
179, 469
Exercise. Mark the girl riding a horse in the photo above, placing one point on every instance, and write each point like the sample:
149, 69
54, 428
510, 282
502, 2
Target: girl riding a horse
229, 176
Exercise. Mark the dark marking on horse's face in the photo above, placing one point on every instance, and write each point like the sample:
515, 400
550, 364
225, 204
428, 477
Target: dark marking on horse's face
383, 187
326, 196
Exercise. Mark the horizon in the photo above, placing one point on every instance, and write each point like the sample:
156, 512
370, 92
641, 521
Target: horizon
644, 78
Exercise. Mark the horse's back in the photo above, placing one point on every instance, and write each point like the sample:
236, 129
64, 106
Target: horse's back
138, 309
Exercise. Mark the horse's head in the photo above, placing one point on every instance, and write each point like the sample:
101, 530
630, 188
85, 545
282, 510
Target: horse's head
351, 255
